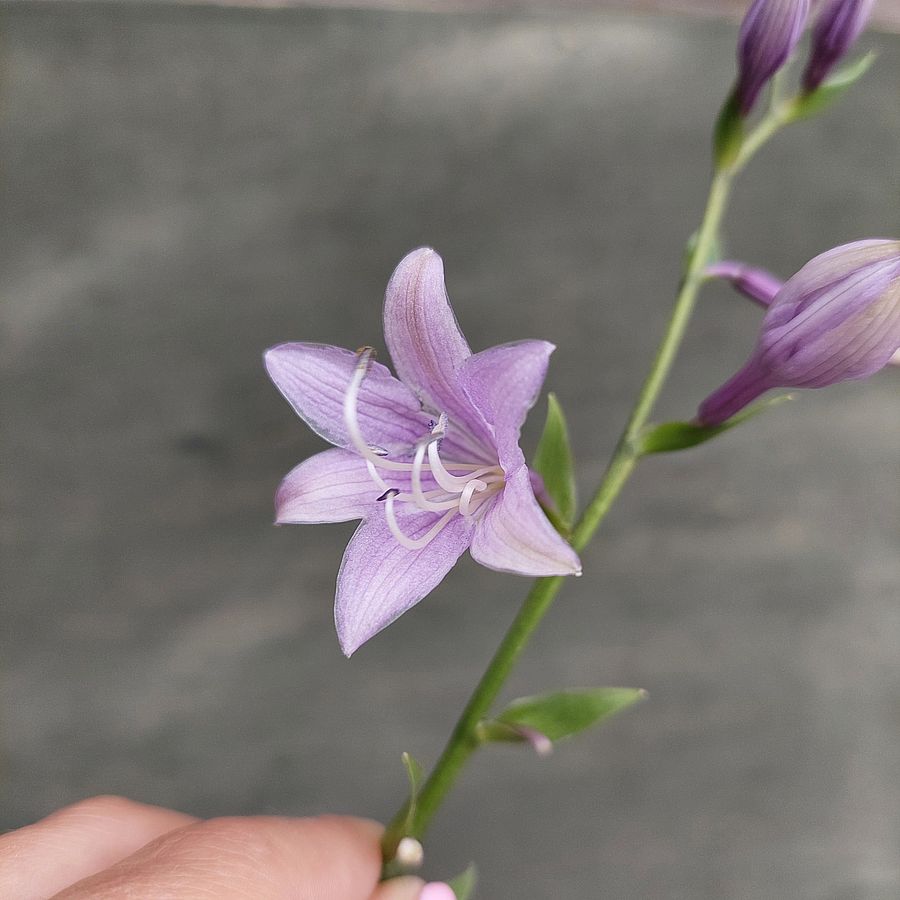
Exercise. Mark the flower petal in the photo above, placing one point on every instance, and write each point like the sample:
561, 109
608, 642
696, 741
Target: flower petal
380, 580
515, 536
425, 341
314, 379
332, 486
503, 383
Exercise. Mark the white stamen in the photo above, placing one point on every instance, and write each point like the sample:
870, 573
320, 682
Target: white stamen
408, 542
466, 497
351, 417
453, 483
465, 494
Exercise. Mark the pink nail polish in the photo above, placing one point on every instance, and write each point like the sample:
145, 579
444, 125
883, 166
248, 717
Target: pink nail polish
437, 890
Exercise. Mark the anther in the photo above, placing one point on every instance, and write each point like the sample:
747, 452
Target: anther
390, 492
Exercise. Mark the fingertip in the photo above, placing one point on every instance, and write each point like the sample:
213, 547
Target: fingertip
406, 888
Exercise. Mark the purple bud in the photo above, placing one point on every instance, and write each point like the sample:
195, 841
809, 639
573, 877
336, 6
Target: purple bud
837, 319
757, 284
839, 24
540, 743
769, 32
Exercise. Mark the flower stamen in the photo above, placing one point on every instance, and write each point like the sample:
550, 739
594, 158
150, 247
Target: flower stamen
351, 416
403, 539
464, 494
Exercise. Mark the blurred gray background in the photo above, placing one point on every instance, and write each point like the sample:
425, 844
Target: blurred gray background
183, 187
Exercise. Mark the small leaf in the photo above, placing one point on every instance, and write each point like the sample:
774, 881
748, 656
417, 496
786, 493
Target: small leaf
414, 776
806, 105
559, 715
553, 462
464, 883
413, 772
403, 822
671, 436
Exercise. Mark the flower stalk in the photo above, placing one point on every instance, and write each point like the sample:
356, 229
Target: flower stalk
464, 738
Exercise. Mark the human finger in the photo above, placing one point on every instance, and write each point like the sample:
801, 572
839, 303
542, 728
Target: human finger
265, 857
77, 841
406, 888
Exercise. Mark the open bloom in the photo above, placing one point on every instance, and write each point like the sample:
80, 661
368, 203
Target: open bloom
431, 462
768, 35
837, 27
837, 319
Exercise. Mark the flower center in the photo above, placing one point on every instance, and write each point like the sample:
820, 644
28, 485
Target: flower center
461, 488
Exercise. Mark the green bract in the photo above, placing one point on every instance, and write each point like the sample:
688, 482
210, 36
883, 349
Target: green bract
464, 883
553, 462
564, 713
670, 436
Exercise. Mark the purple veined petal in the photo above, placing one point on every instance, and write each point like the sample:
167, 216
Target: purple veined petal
858, 348
332, 486
759, 285
314, 379
515, 536
503, 383
335, 486
858, 270
379, 579
838, 25
768, 35
847, 284
425, 342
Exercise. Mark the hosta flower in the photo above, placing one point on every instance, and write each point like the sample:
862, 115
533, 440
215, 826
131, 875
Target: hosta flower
837, 319
837, 27
768, 35
430, 462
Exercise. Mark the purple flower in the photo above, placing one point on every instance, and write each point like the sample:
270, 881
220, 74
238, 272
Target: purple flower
769, 32
839, 24
837, 319
757, 284
431, 462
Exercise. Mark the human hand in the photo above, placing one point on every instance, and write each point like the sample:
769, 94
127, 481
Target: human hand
109, 848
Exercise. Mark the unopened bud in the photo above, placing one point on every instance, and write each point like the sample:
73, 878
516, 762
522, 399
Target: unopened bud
837, 27
836, 320
769, 33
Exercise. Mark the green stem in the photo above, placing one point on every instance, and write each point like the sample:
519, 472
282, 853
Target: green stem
463, 740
